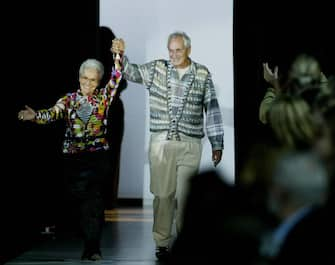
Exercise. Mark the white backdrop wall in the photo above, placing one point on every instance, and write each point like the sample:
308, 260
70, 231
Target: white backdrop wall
145, 26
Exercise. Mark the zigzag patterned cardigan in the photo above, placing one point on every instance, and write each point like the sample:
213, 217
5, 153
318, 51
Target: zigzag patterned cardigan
184, 113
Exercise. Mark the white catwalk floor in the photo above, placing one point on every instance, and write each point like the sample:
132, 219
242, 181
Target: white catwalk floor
127, 240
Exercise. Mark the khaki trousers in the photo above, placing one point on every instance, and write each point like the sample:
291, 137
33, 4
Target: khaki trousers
172, 164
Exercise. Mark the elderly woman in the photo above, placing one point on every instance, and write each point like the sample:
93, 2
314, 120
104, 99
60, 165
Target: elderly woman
84, 146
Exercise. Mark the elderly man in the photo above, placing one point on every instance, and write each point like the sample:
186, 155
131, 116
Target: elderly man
180, 91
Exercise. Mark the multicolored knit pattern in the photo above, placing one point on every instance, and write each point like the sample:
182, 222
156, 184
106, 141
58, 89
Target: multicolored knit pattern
85, 131
116, 73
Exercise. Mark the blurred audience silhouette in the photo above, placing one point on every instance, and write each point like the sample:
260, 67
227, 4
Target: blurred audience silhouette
297, 195
221, 224
280, 209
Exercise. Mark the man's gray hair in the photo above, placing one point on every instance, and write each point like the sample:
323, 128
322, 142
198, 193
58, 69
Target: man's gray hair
176, 34
92, 64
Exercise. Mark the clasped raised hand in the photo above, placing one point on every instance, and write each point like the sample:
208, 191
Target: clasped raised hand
118, 46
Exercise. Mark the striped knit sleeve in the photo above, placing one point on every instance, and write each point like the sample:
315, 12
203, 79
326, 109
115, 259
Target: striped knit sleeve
139, 73
214, 122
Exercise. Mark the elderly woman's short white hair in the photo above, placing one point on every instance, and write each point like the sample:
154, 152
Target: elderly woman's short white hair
92, 64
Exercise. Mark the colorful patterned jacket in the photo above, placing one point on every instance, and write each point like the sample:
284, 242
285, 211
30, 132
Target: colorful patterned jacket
83, 133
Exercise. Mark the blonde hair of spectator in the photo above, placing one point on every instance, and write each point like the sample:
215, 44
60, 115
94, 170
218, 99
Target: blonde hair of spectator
292, 122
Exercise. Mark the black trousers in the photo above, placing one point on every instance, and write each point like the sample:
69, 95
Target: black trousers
84, 178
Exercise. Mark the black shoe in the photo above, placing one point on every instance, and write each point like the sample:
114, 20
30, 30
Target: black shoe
95, 257
162, 253
91, 256
85, 256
